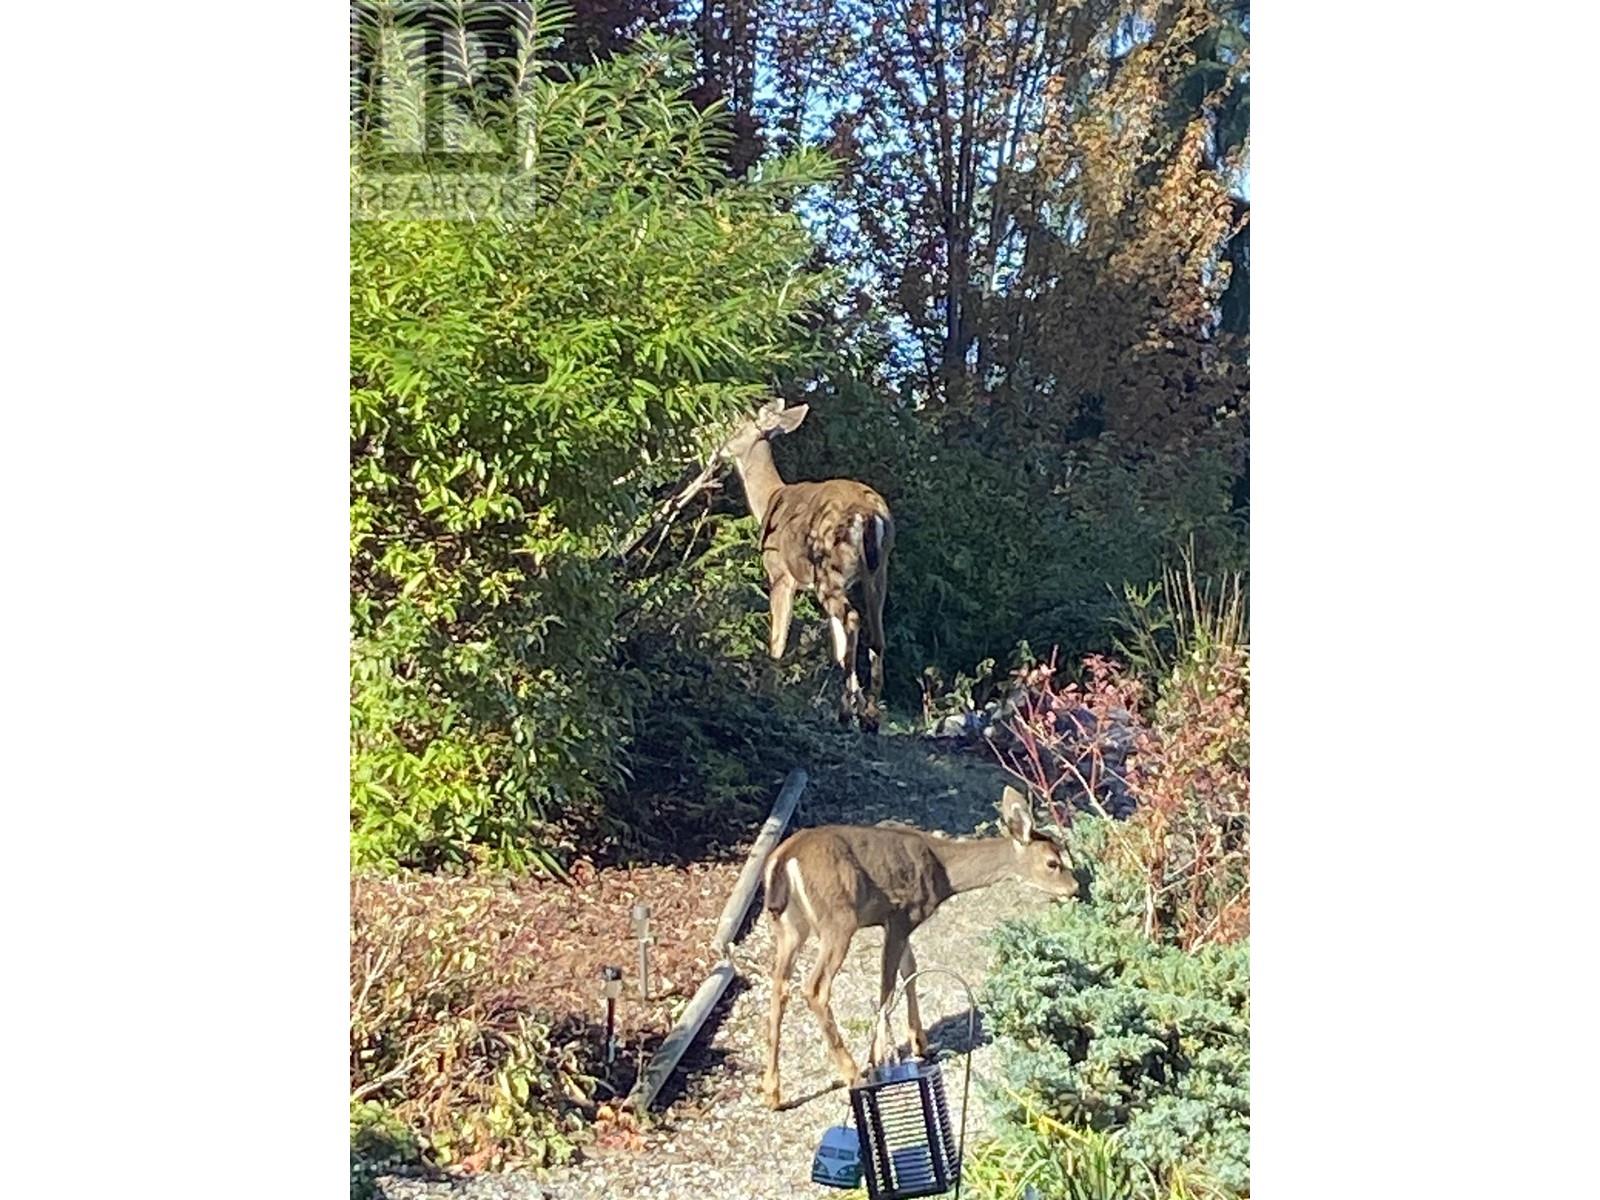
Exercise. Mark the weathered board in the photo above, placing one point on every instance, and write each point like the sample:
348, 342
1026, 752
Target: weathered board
682, 1034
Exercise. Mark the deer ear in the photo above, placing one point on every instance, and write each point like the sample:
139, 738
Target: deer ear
789, 419
1016, 815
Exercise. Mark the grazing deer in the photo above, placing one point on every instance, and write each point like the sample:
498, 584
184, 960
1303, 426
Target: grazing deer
828, 537
836, 879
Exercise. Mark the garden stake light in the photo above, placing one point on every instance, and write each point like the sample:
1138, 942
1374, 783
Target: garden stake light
611, 988
641, 930
903, 1146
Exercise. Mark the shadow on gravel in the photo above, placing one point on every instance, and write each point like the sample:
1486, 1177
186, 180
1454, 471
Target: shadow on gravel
903, 777
854, 779
795, 1102
953, 1035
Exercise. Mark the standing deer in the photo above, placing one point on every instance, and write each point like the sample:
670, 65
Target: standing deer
836, 879
828, 537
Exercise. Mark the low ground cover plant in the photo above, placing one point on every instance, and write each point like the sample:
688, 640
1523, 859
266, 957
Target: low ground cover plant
1104, 1032
477, 1024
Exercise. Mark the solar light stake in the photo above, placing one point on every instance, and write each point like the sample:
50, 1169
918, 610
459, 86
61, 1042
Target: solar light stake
611, 988
641, 930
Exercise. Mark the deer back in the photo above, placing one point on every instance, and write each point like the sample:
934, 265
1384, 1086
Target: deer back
818, 530
867, 874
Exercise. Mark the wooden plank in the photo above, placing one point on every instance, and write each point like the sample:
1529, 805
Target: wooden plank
677, 1041
744, 889
687, 1028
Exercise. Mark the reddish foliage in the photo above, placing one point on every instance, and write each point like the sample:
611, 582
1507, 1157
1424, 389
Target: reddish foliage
1075, 739
1186, 763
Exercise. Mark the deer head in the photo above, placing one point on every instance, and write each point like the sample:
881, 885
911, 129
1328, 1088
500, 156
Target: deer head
769, 421
1040, 862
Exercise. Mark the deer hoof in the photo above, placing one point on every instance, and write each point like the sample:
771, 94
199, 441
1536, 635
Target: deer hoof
771, 1098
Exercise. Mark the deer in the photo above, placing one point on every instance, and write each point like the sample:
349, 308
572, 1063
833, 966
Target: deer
832, 537
832, 880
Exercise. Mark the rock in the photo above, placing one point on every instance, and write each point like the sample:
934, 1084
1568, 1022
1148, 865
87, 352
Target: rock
1076, 723
1119, 732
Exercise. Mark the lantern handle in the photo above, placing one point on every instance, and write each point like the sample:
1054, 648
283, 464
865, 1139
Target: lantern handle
972, 1036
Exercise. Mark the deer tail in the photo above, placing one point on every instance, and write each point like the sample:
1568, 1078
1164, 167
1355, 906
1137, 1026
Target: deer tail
777, 888
871, 539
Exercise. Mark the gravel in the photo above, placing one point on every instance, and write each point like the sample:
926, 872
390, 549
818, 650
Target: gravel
475, 1187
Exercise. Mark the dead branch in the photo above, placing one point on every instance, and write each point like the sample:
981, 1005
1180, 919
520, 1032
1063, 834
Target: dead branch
667, 511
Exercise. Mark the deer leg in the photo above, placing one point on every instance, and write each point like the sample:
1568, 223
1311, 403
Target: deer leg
790, 935
780, 597
819, 992
844, 622
837, 609
850, 701
876, 590
895, 947
919, 1036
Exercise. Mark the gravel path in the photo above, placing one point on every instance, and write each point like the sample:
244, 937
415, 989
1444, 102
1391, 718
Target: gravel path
711, 1136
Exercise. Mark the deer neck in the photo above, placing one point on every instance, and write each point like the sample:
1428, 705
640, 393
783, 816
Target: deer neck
760, 477
975, 864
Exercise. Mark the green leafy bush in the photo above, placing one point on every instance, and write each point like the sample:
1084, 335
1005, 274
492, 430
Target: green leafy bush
1047, 1160
522, 384
380, 1144
1101, 1030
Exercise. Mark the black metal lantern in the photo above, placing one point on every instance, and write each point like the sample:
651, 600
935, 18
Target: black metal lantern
908, 1148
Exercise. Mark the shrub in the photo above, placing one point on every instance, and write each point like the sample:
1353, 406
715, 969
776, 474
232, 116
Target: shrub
1075, 743
1193, 829
1124, 1023
1183, 757
1103, 1031
1046, 1160
521, 384
380, 1144
442, 1041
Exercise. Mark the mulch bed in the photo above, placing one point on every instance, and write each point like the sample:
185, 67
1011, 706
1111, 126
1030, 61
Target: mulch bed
554, 938
580, 928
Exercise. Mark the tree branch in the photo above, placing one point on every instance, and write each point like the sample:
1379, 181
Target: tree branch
669, 509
